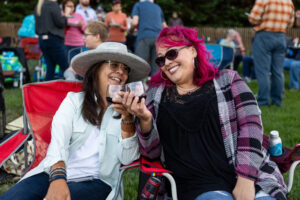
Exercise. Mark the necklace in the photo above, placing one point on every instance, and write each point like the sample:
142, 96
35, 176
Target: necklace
186, 90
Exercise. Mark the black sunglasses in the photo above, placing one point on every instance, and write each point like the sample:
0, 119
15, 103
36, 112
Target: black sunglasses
170, 55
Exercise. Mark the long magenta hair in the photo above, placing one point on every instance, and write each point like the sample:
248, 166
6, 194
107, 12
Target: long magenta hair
181, 36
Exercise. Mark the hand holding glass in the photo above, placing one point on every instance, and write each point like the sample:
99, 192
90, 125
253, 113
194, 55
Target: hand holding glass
112, 91
137, 88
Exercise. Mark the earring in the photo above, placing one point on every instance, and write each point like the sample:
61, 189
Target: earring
161, 75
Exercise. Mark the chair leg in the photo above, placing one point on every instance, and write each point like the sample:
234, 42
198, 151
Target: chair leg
291, 174
173, 185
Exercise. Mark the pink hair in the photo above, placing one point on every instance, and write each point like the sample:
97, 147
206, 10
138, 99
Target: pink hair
181, 36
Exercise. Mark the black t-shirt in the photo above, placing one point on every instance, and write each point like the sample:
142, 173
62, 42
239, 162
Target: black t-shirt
190, 134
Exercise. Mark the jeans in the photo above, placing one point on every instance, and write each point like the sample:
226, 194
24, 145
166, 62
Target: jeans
36, 187
269, 50
294, 74
54, 52
223, 195
145, 48
248, 67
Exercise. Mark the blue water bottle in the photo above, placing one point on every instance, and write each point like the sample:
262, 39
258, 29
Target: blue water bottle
275, 144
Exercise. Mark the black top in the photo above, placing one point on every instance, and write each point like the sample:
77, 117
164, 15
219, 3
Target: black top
190, 134
51, 20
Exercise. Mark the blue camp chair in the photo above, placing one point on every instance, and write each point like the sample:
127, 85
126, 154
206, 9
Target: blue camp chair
221, 56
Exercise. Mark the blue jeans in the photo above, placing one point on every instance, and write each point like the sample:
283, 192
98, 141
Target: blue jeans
54, 52
294, 74
36, 187
223, 195
269, 50
248, 67
145, 48
287, 63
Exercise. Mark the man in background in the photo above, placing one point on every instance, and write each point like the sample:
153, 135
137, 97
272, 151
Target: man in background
270, 18
149, 18
88, 13
95, 33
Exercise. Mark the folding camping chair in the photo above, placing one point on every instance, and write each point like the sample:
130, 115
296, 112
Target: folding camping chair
221, 56
39, 110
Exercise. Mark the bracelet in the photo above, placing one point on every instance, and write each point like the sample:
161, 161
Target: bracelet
58, 168
128, 122
57, 172
57, 177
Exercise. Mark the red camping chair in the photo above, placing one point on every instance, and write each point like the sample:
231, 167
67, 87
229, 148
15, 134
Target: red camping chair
40, 103
31, 48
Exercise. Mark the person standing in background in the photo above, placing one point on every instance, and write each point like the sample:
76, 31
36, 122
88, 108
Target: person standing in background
175, 20
100, 13
270, 18
117, 23
50, 26
74, 31
88, 13
149, 18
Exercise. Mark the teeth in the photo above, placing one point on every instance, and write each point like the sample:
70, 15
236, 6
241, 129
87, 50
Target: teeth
173, 69
116, 79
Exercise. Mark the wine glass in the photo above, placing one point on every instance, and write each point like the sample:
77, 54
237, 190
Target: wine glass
138, 88
112, 91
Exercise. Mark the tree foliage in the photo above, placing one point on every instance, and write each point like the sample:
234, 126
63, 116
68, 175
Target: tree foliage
213, 13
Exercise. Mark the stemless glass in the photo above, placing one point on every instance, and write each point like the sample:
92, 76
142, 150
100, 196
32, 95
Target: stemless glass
112, 91
138, 88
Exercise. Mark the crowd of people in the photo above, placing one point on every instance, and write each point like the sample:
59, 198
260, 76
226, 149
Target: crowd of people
202, 123
65, 27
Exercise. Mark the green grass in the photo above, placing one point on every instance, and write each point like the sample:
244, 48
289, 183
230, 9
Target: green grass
283, 119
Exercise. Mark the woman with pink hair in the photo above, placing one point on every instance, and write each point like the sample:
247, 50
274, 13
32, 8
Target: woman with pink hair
204, 125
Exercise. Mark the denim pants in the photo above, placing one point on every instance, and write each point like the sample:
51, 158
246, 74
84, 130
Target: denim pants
223, 195
145, 48
269, 50
294, 74
248, 67
36, 187
54, 52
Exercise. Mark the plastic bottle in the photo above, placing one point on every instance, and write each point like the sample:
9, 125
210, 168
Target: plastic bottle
275, 144
150, 189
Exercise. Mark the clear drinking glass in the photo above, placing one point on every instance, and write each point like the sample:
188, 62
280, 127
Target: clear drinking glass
138, 88
112, 91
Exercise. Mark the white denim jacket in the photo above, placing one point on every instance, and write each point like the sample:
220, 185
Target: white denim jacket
69, 132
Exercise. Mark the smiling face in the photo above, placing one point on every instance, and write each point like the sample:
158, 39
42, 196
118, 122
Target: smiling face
180, 70
112, 73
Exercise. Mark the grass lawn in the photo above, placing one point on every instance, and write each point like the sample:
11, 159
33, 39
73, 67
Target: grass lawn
283, 119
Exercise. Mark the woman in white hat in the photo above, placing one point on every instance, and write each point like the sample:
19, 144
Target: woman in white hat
88, 144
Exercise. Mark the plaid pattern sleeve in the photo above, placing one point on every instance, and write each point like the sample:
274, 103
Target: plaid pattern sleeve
272, 15
150, 142
250, 130
242, 132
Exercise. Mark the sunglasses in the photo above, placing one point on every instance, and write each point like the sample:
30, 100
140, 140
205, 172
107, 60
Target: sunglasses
170, 55
115, 66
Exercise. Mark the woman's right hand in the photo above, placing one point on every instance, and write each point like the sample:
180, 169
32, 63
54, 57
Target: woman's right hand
140, 110
58, 190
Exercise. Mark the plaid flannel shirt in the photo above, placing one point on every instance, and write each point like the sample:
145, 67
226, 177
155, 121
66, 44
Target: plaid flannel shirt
272, 15
241, 128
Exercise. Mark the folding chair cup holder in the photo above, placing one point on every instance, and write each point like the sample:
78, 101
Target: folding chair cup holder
39, 110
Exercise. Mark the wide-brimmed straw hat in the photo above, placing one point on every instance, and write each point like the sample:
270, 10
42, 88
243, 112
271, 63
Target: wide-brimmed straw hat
112, 51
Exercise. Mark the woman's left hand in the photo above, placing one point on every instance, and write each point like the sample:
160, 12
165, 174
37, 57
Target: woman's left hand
244, 189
